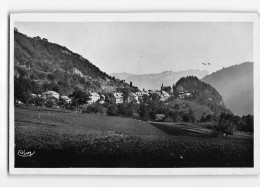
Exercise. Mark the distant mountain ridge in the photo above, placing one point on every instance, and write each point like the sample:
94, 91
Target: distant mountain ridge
122, 75
235, 84
154, 81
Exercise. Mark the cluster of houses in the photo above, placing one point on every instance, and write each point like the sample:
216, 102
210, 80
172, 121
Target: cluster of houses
94, 97
132, 96
182, 93
52, 94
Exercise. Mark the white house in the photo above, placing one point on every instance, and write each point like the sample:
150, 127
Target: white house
33, 95
101, 102
159, 117
181, 96
152, 91
139, 94
94, 97
49, 94
145, 93
164, 96
102, 99
66, 98
119, 97
185, 95
188, 94
133, 97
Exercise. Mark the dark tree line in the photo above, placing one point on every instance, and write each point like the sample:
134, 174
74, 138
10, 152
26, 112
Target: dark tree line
227, 124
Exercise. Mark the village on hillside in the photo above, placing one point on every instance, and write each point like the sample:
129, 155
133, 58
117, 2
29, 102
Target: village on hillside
132, 97
52, 99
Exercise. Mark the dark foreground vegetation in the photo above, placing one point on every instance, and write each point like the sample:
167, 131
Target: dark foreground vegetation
67, 139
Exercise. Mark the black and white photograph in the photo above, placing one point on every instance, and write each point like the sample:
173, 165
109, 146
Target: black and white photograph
133, 94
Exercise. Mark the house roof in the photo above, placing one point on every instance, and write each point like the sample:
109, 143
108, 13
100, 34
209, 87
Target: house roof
132, 94
118, 95
145, 92
139, 93
165, 94
65, 97
160, 115
94, 94
49, 92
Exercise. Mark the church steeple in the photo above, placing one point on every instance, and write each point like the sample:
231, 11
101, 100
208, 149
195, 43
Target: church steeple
162, 87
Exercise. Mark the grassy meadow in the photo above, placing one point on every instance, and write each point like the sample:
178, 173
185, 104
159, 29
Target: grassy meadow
68, 139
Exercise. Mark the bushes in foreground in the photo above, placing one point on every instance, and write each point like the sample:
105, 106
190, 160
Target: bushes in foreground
124, 110
227, 124
94, 108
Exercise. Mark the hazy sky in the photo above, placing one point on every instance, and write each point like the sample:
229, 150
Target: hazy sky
151, 47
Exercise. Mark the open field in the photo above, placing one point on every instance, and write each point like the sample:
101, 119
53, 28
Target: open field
68, 139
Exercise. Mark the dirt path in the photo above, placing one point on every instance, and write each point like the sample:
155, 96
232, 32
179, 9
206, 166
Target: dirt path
176, 128
182, 129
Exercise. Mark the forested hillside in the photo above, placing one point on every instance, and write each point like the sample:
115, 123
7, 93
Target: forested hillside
49, 66
203, 93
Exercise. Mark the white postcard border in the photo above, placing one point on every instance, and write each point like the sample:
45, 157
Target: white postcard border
139, 17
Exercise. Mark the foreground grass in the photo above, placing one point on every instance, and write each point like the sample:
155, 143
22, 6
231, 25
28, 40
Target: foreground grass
67, 139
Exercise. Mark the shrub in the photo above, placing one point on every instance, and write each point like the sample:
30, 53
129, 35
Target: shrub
62, 102
144, 112
225, 125
247, 124
49, 103
205, 117
126, 110
163, 110
112, 110
22, 89
177, 118
224, 128
38, 101
177, 106
94, 108
79, 97
192, 117
186, 117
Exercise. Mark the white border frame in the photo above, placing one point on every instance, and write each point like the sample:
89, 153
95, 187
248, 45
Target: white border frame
139, 17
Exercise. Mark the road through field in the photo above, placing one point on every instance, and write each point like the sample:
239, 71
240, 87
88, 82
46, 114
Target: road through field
182, 129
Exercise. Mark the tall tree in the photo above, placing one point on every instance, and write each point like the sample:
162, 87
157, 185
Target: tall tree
79, 97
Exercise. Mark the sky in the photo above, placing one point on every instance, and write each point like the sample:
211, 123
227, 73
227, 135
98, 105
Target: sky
151, 47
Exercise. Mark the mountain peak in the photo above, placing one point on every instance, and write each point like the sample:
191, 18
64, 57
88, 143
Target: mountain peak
154, 80
240, 77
